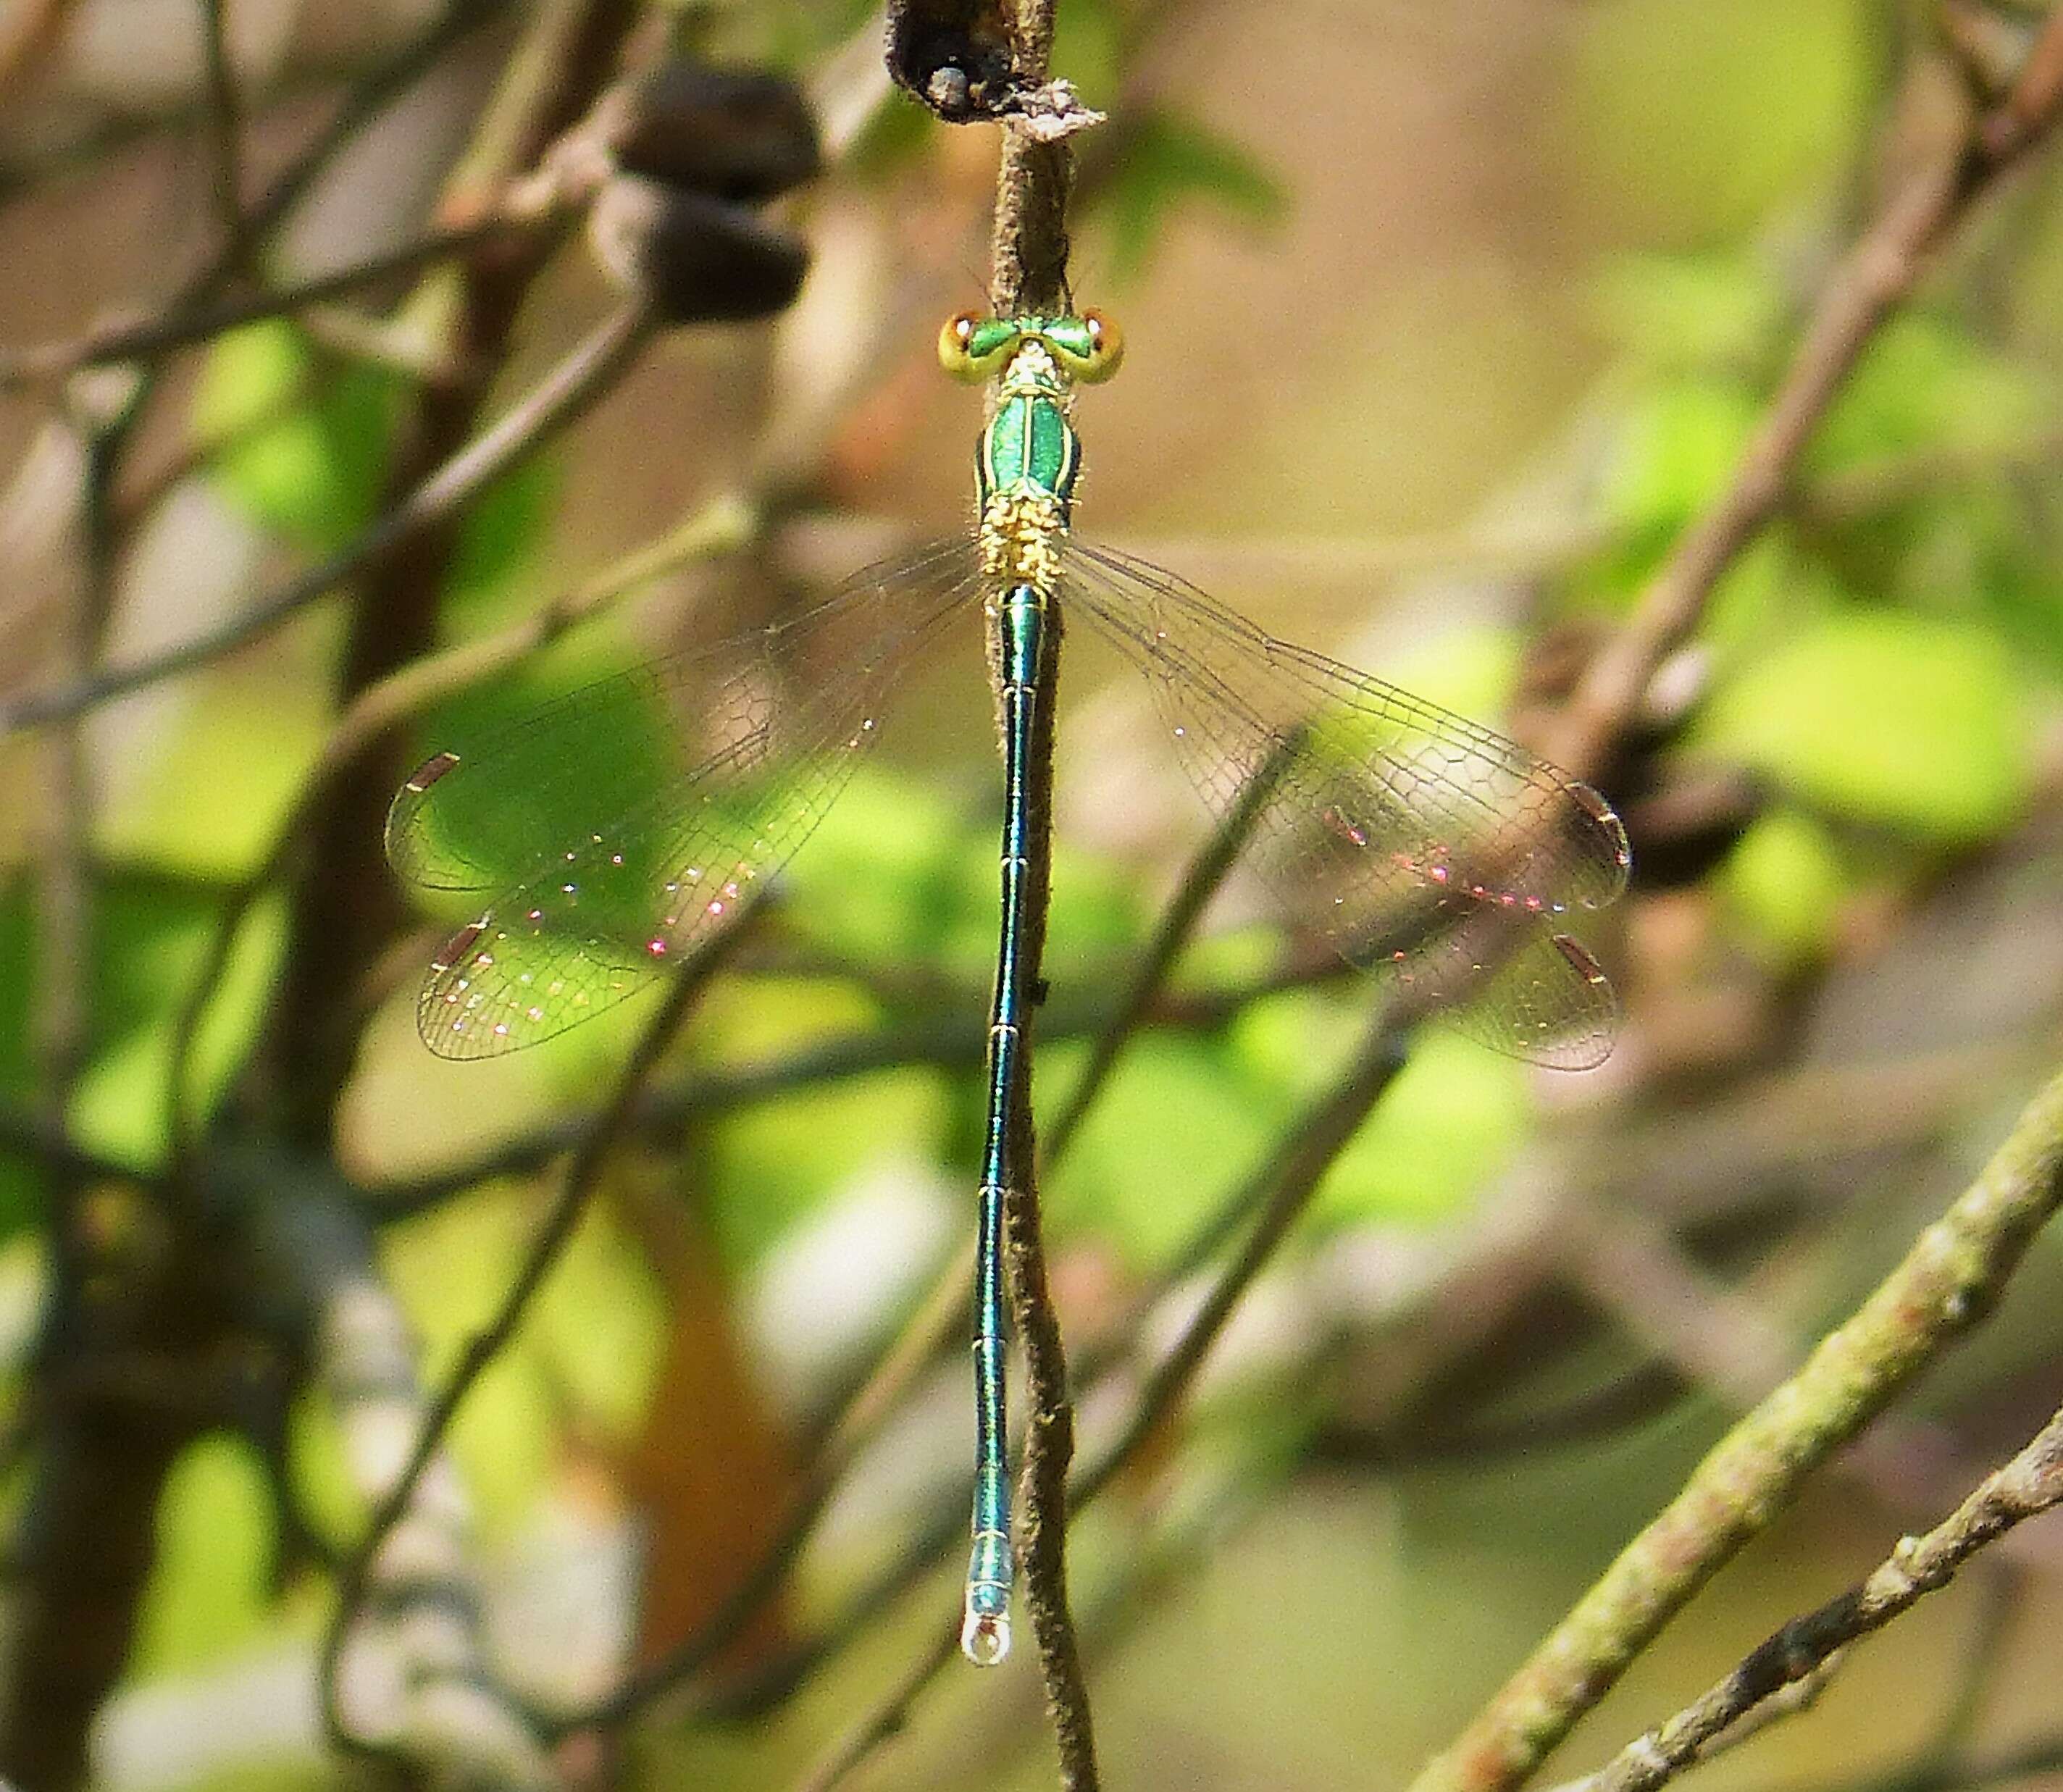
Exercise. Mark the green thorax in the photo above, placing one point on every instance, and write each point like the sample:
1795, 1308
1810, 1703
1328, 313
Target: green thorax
1029, 446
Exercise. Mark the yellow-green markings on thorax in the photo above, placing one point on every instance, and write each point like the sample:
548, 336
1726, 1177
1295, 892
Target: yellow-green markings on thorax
1028, 457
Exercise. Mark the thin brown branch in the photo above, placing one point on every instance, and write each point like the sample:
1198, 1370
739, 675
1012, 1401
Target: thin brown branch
224, 122
1028, 272
586, 375
2031, 1484
1954, 1272
145, 337
1873, 280
356, 1580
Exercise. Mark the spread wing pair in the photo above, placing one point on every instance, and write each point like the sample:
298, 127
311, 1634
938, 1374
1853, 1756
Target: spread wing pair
1414, 840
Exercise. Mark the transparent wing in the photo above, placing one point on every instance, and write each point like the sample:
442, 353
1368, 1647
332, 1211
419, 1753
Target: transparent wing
622, 825
1410, 837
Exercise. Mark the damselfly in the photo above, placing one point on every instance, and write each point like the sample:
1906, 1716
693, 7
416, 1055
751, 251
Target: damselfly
1415, 842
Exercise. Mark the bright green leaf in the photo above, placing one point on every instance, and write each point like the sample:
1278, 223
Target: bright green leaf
210, 799
152, 941
1679, 446
777, 1160
1451, 1120
1903, 721
1690, 312
504, 528
208, 1590
1175, 1126
1925, 385
1086, 47
301, 446
1783, 883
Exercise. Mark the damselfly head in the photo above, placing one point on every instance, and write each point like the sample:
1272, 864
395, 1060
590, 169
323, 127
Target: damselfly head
1087, 348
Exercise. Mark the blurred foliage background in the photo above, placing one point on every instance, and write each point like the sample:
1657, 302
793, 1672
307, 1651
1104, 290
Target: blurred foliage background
1444, 323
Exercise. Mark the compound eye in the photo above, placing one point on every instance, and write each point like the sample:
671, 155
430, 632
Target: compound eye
971, 347
1109, 341
1090, 348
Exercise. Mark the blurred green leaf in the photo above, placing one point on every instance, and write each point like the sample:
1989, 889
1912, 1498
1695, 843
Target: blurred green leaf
1691, 123
1687, 313
208, 800
777, 1160
1170, 159
1453, 1119
450, 1268
150, 939
1783, 884
329, 1498
302, 446
208, 1590
1924, 385
882, 878
1678, 445
20, 1202
1473, 671
600, 1326
504, 530
1903, 721
1177, 1124
1088, 46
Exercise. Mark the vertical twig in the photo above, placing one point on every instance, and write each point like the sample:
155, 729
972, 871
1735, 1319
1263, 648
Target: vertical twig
344, 910
1028, 274
1277, 1193
71, 1631
224, 125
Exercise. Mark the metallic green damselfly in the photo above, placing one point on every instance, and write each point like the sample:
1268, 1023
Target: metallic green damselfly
1414, 840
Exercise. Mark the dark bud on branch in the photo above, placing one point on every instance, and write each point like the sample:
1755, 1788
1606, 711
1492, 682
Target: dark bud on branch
740, 134
697, 258
690, 150
959, 57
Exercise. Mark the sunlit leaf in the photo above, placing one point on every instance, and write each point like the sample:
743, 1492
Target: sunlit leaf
1783, 883
1088, 46
208, 1590
600, 1325
775, 1160
503, 528
209, 799
1905, 720
1453, 1118
1689, 124
301, 445
1689, 313
20, 1199
152, 940
1924, 384
1176, 1125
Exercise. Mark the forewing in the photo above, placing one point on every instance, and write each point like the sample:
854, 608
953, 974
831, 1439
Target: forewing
1396, 829
608, 865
